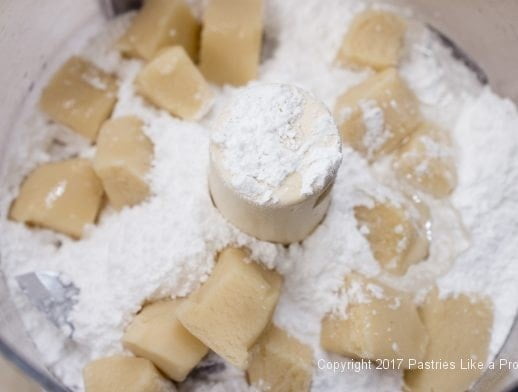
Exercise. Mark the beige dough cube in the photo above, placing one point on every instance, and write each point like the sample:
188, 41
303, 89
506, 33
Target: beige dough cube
172, 82
280, 363
80, 96
396, 234
375, 39
157, 335
63, 196
376, 115
122, 161
161, 23
233, 307
124, 374
426, 161
231, 41
384, 325
460, 330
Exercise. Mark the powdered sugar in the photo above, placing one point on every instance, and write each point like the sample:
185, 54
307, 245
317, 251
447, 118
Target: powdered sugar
263, 140
376, 133
488, 146
55, 193
94, 81
165, 247
434, 149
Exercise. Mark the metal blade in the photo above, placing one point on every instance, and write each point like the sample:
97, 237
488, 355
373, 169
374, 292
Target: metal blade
52, 294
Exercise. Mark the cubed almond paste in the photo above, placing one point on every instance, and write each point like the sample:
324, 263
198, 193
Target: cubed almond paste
62, 196
124, 374
161, 23
460, 332
80, 96
396, 234
377, 114
426, 161
172, 82
122, 161
382, 324
280, 363
375, 39
231, 41
233, 307
156, 334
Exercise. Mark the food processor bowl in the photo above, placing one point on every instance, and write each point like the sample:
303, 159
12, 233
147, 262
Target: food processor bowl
483, 33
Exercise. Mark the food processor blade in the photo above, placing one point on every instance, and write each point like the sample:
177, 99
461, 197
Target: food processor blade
52, 294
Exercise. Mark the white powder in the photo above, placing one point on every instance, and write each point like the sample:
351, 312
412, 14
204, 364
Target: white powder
165, 246
375, 290
69, 104
434, 149
261, 139
487, 198
94, 80
55, 193
376, 134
